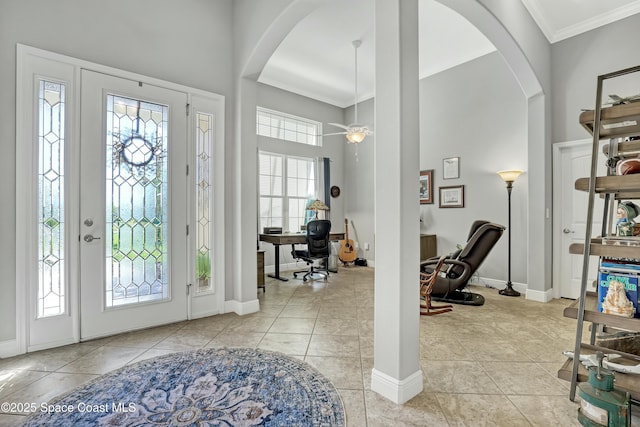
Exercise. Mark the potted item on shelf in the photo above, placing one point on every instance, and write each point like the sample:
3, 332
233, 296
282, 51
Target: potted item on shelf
626, 212
628, 166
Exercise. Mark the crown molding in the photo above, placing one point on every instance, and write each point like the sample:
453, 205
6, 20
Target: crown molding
536, 13
597, 21
556, 35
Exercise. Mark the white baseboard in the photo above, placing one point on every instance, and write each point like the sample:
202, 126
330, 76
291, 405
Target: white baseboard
530, 294
270, 269
8, 348
497, 284
540, 296
242, 308
398, 391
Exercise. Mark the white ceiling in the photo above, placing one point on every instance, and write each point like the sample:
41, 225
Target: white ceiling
317, 58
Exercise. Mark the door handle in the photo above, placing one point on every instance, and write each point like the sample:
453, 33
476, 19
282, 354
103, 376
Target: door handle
567, 231
89, 238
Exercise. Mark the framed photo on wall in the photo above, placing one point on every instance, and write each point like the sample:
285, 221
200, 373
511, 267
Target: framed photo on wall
426, 187
451, 168
452, 196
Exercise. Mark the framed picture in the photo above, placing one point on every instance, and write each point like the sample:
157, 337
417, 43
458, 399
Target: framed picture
426, 187
452, 196
451, 168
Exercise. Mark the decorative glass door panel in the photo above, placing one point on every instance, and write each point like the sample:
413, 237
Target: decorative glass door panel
204, 208
50, 316
136, 203
51, 230
133, 249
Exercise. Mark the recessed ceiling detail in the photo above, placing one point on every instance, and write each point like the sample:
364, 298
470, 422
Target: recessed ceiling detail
315, 58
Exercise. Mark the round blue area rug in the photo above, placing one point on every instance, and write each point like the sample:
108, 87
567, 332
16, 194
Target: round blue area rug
213, 387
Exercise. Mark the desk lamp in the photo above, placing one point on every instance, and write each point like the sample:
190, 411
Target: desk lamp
316, 206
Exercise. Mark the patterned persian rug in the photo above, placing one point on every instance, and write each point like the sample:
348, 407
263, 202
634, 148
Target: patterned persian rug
213, 387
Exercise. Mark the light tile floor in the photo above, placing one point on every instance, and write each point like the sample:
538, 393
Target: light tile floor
494, 365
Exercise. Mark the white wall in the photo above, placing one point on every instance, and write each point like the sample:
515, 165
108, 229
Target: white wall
477, 112
187, 42
359, 181
576, 64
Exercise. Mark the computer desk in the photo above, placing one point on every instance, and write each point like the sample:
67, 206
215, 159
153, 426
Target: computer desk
289, 239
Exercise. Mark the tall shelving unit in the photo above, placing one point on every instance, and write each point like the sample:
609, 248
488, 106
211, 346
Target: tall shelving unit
613, 123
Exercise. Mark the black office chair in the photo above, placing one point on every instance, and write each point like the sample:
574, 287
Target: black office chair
317, 249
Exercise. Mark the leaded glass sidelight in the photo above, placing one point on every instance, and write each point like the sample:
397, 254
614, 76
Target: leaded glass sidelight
51, 230
136, 202
204, 221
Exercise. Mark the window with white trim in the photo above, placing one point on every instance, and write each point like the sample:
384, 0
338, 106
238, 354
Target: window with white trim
287, 127
287, 184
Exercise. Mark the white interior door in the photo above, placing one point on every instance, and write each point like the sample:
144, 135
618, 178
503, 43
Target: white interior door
133, 198
573, 161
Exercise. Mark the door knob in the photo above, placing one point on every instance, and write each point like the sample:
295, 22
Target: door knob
567, 231
88, 222
89, 238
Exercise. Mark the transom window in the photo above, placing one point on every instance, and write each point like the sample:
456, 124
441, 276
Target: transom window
275, 124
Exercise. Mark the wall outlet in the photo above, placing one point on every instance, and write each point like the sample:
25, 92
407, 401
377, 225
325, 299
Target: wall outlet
366, 246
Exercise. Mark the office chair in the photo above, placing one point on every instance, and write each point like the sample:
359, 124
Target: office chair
460, 265
317, 249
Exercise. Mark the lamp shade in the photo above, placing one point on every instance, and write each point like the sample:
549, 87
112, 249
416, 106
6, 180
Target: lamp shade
356, 136
510, 175
317, 205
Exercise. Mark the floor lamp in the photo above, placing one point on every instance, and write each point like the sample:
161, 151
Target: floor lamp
509, 177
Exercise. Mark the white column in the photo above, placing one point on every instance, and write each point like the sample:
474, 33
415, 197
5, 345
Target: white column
245, 209
396, 374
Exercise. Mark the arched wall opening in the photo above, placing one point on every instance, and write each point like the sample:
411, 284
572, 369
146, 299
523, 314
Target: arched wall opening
538, 155
479, 15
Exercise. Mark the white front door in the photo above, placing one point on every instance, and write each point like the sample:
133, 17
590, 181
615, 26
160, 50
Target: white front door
573, 161
133, 205
105, 201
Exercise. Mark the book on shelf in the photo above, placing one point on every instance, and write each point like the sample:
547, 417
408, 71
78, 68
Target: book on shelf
619, 264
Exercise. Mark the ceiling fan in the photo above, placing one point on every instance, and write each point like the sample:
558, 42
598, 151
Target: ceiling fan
355, 133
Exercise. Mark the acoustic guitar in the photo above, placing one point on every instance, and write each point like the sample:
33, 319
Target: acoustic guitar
347, 251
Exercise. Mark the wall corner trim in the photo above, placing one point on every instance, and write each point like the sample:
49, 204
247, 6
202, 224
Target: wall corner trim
540, 296
398, 391
242, 308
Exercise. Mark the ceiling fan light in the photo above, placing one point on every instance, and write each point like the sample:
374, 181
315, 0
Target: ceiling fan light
356, 137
